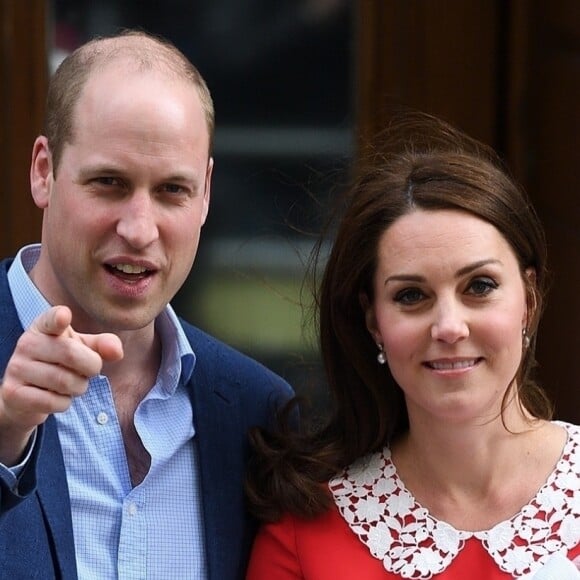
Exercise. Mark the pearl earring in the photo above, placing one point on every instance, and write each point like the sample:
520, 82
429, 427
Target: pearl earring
381, 357
525, 338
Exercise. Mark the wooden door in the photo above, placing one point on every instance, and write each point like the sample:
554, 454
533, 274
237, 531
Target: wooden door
23, 77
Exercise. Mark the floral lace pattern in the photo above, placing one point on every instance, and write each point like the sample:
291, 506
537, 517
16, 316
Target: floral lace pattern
410, 542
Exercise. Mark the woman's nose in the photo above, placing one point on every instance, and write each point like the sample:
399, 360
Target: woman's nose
450, 324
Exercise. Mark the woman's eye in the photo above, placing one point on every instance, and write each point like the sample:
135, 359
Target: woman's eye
409, 296
482, 286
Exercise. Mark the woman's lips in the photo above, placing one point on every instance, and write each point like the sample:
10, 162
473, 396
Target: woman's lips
452, 364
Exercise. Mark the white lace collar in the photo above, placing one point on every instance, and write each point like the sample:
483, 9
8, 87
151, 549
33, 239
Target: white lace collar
410, 542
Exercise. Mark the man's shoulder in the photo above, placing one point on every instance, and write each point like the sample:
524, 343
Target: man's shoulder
219, 358
4, 287
4, 265
206, 345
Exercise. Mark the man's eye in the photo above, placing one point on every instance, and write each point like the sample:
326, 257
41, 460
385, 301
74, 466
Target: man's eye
482, 286
173, 188
108, 181
409, 296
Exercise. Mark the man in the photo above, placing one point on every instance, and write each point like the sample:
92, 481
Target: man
122, 428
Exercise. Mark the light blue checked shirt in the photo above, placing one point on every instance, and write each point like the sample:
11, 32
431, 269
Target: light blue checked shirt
153, 531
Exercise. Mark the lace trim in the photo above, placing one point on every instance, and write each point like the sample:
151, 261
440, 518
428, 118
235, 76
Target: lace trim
410, 542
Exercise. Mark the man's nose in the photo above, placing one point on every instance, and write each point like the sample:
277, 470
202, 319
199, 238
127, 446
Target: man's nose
137, 224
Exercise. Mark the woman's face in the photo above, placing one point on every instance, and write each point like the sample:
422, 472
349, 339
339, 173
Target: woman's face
449, 309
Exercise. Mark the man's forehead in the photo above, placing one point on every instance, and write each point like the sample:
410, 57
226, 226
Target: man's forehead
125, 70
134, 46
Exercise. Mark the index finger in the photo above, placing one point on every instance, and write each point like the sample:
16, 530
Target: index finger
53, 321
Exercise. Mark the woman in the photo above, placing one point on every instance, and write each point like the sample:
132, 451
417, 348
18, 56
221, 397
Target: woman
440, 459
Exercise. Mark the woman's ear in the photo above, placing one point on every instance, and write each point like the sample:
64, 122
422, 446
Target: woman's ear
531, 299
41, 172
370, 318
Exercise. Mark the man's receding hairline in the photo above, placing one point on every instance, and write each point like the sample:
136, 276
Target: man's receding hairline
140, 51
134, 51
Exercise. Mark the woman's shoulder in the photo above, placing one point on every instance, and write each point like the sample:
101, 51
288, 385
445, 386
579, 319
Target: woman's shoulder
571, 451
571, 428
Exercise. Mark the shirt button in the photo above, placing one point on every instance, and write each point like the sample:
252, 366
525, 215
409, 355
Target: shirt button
102, 418
132, 509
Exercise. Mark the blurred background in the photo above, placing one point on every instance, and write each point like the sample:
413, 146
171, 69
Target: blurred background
299, 87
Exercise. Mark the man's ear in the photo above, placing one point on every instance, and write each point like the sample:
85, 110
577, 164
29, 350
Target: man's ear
370, 318
41, 172
207, 190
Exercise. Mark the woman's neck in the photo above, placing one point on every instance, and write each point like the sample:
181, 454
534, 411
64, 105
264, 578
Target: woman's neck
474, 476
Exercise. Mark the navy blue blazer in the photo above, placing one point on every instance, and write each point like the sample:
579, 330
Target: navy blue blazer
230, 393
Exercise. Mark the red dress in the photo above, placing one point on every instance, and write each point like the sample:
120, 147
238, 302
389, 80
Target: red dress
378, 531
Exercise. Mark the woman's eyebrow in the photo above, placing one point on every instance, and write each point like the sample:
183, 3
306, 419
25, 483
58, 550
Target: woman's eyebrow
471, 267
461, 272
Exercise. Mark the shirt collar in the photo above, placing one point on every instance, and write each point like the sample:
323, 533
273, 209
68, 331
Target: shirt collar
28, 299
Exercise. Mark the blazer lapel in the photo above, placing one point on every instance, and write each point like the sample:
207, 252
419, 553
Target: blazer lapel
221, 451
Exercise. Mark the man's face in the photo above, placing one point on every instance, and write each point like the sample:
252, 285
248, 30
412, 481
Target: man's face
122, 217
